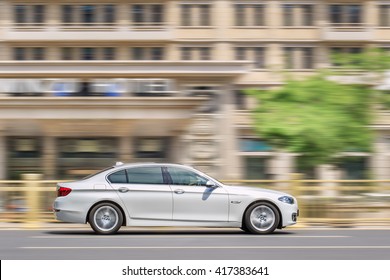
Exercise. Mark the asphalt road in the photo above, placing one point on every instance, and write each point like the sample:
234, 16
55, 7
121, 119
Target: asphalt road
187, 244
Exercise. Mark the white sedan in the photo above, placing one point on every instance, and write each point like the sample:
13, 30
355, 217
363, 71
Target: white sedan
151, 194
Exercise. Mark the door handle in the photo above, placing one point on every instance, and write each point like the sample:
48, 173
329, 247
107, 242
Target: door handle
123, 189
179, 191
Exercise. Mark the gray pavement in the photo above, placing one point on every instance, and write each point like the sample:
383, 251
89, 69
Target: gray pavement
56, 242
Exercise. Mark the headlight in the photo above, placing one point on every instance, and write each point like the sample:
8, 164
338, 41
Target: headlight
286, 199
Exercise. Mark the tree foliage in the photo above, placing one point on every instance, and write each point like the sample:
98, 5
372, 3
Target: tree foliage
315, 117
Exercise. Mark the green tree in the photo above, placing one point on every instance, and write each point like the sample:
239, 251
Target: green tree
370, 65
315, 117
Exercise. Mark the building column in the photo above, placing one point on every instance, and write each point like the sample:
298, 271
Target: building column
328, 172
49, 157
3, 157
282, 165
229, 142
125, 149
380, 159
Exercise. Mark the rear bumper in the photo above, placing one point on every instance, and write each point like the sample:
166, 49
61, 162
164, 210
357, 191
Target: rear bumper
68, 215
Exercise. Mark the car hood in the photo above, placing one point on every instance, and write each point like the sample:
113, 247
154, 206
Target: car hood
242, 190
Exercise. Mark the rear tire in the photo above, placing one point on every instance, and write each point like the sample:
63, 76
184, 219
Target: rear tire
261, 218
105, 218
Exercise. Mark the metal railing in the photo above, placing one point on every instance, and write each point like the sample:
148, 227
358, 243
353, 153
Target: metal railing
321, 202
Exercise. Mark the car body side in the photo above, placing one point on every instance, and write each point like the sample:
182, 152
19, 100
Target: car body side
86, 193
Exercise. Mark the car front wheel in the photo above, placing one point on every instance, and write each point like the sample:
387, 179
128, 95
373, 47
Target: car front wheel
105, 218
261, 218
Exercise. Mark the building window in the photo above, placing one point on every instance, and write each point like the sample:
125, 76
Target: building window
38, 53
337, 51
29, 53
345, 14
147, 53
298, 14
20, 54
249, 14
31, 14
196, 14
206, 91
255, 54
109, 14
384, 15
88, 14
88, 53
67, 53
147, 14
196, 53
108, 53
152, 148
24, 155
67, 13
256, 168
299, 57
157, 53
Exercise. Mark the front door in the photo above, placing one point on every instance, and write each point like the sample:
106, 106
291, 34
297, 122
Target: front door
193, 200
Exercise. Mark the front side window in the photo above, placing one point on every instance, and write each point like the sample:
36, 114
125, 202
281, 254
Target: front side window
181, 176
145, 175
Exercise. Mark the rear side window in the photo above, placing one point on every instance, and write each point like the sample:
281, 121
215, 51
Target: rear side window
118, 177
145, 175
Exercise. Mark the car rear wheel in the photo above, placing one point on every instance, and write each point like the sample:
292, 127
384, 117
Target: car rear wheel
261, 218
105, 218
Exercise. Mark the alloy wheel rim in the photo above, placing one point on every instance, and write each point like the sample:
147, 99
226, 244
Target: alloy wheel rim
262, 218
106, 218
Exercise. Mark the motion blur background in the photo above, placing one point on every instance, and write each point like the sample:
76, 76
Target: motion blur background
86, 83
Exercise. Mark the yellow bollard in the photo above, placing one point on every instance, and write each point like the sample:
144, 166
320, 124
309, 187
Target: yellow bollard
32, 188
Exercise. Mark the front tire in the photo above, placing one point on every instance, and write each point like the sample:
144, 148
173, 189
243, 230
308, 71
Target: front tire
105, 218
261, 218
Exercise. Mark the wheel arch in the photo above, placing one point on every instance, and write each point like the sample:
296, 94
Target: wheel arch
280, 225
107, 201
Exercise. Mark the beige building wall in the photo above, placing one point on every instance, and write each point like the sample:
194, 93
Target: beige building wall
221, 71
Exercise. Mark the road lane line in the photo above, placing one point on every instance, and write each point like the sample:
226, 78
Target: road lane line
206, 247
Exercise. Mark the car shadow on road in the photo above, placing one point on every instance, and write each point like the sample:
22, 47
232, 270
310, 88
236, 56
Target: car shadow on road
164, 232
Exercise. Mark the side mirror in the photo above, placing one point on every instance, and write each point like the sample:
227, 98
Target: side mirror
211, 184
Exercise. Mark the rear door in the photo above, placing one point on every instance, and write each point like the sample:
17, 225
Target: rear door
144, 191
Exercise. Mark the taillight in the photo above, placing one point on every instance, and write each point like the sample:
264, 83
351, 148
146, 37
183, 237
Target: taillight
63, 191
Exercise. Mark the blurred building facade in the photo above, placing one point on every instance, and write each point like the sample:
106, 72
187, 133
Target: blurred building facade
86, 83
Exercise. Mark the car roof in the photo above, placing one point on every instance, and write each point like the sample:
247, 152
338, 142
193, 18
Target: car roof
121, 165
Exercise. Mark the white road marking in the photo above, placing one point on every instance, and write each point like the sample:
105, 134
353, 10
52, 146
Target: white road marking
209, 247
